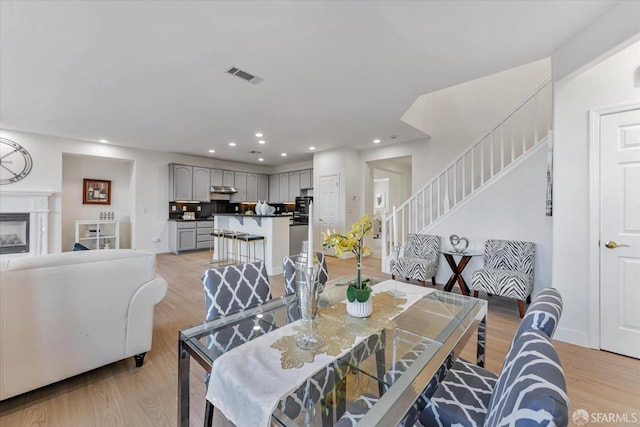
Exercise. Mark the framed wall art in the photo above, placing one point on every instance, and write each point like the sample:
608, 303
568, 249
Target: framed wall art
96, 192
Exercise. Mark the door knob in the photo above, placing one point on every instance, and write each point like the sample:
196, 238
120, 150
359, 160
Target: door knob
612, 245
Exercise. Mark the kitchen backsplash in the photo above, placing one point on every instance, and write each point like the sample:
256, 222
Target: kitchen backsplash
206, 210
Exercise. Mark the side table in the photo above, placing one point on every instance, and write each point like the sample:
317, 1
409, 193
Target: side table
457, 268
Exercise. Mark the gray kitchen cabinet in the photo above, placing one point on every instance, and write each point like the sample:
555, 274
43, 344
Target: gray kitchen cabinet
189, 235
189, 183
229, 178
294, 185
182, 236
306, 179
241, 186
252, 187
180, 182
201, 184
274, 188
216, 177
203, 234
284, 187
263, 187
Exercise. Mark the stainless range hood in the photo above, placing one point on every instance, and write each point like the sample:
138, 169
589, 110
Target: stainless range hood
223, 189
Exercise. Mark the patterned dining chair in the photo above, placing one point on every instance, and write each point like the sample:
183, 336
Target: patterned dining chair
227, 290
289, 268
419, 259
508, 270
464, 395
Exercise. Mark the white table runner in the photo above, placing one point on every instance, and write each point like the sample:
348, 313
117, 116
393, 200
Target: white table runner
248, 382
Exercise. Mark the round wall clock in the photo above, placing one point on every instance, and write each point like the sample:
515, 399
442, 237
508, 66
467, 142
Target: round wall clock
15, 161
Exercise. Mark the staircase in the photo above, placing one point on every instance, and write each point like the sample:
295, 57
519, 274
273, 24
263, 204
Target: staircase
509, 142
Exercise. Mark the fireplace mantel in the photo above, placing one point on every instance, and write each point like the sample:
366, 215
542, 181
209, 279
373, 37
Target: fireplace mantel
36, 203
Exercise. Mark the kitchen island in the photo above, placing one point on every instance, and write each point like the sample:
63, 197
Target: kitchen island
274, 228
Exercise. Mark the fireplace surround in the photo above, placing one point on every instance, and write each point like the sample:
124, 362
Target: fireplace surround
35, 206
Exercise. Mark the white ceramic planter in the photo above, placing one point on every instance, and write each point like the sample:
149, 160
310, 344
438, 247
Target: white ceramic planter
360, 309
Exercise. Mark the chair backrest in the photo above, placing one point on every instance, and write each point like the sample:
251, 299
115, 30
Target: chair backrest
543, 313
531, 388
422, 246
513, 255
235, 287
289, 267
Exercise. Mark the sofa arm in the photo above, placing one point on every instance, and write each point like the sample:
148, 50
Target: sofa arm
140, 316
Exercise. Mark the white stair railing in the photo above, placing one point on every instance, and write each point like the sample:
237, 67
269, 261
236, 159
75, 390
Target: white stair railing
514, 135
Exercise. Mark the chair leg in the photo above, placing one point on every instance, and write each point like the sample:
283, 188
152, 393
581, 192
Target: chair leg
422, 282
393, 276
433, 280
521, 308
475, 294
208, 414
528, 299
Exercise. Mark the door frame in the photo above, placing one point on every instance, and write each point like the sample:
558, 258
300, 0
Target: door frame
594, 216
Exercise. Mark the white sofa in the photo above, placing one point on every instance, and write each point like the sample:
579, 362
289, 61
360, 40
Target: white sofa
64, 314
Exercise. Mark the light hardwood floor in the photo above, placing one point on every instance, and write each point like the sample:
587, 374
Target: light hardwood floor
122, 395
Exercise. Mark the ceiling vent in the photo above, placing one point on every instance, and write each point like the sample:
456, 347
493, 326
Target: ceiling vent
255, 152
244, 75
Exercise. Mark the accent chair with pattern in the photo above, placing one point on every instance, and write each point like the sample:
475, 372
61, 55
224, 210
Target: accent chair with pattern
289, 268
464, 395
419, 259
507, 272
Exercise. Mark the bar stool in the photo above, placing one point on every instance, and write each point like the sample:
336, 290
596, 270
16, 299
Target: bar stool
222, 240
249, 241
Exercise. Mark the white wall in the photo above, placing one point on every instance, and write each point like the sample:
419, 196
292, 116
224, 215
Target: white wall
513, 208
609, 83
74, 170
457, 116
149, 183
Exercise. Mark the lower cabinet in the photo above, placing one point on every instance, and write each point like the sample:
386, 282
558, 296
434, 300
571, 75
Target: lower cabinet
189, 235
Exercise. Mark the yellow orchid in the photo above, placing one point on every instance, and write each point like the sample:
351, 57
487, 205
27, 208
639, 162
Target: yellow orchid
353, 241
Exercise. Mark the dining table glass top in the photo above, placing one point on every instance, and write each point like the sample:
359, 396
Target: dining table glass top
419, 338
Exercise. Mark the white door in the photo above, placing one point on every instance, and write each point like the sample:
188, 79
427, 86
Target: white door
327, 204
620, 233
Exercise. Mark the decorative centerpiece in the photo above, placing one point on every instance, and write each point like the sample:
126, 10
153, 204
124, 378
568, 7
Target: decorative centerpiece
460, 244
359, 303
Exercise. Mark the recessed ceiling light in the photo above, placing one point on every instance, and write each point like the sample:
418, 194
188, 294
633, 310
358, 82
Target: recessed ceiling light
312, 148
283, 154
104, 141
232, 144
261, 159
376, 141
212, 151
259, 135
262, 141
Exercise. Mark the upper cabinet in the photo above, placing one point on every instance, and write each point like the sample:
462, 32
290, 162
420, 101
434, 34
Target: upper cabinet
180, 182
201, 184
241, 186
285, 187
274, 188
263, 187
189, 183
216, 177
294, 186
252, 188
228, 178
306, 179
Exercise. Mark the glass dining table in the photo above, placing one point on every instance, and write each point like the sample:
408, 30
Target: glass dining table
432, 327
